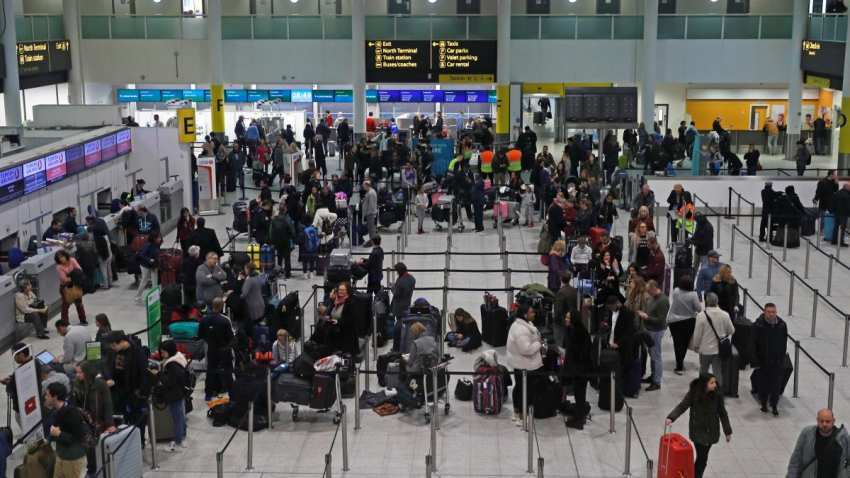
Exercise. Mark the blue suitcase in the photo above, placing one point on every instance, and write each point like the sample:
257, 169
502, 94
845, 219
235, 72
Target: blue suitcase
828, 226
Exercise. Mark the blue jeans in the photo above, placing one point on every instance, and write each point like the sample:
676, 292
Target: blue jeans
177, 409
655, 356
453, 340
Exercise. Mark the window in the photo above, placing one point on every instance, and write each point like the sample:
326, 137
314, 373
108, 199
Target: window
193, 8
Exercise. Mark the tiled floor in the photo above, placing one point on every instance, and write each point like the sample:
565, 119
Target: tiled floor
473, 445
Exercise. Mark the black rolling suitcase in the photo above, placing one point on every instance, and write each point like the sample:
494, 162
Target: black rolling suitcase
742, 339
787, 371
807, 223
731, 374
494, 325
778, 238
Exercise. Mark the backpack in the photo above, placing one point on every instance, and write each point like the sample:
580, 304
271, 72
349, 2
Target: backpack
327, 227
310, 240
487, 391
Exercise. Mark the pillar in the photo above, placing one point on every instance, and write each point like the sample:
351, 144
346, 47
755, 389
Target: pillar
11, 84
71, 22
795, 77
650, 60
216, 72
503, 70
358, 66
844, 132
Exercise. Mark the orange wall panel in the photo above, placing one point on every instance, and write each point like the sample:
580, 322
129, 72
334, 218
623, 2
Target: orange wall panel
734, 114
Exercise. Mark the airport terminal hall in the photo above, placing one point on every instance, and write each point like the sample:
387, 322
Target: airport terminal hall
424, 238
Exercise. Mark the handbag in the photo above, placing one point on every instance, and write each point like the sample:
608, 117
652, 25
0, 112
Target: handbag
463, 390
724, 345
72, 293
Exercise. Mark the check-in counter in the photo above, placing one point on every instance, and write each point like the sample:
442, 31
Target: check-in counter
43, 267
170, 204
8, 326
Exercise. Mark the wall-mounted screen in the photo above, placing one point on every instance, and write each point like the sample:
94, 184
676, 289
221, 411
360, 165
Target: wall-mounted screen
302, 96
92, 153
235, 96
389, 96
343, 96
34, 176
55, 167
193, 95
150, 96
168, 95
126, 95
108, 149
11, 183
257, 95
410, 96
74, 160
432, 96
323, 96
282, 95
123, 141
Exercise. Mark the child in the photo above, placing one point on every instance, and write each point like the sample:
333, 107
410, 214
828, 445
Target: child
421, 206
284, 349
527, 203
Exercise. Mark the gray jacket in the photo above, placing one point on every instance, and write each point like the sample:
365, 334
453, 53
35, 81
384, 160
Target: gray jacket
803, 463
252, 294
424, 347
74, 344
370, 203
208, 283
402, 295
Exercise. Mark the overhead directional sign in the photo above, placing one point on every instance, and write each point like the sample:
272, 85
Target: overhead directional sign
446, 61
398, 61
42, 57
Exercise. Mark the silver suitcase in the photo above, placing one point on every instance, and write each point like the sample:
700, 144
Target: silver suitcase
340, 258
125, 460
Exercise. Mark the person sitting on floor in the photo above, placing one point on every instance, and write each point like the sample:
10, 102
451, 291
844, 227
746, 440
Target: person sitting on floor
464, 332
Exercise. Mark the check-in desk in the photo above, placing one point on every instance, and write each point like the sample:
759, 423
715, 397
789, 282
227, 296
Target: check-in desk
8, 326
43, 267
170, 204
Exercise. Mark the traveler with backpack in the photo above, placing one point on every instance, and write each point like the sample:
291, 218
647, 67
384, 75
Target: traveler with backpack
208, 280
205, 239
308, 250
712, 326
148, 259
802, 157
252, 295
708, 413
525, 347
171, 389
824, 445
69, 432
126, 372
91, 394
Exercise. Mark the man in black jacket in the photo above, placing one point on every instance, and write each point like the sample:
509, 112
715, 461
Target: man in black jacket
566, 299
205, 239
70, 223
621, 323
375, 267
282, 237
703, 238
770, 335
768, 196
826, 189
555, 221
127, 375
217, 331
841, 209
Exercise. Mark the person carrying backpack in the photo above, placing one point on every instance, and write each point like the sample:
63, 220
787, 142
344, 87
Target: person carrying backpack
91, 394
171, 389
69, 431
282, 234
127, 375
308, 250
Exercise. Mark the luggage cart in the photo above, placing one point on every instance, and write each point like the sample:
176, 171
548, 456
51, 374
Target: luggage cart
430, 393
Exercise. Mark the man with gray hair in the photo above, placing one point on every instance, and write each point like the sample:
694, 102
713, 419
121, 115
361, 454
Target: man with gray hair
822, 450
712, 326
370, 211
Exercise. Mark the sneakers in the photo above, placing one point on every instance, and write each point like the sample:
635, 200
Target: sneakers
775, 412
182, 446
172, 447
653, 387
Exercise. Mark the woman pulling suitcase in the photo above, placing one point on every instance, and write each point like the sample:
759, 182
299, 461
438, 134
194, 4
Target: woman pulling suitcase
707, 410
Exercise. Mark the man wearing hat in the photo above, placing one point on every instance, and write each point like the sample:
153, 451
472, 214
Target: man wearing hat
707, 272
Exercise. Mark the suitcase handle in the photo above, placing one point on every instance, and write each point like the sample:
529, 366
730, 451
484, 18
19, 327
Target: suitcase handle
666, 459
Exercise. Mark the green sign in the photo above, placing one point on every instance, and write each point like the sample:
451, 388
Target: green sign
93, 351
153, 313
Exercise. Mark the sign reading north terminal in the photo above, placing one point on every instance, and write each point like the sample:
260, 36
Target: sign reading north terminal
42, 57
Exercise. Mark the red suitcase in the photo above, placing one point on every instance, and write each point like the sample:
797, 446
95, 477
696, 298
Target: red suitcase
170, 261
675, 457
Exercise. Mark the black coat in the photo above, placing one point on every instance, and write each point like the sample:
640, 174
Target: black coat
578, 360
727, 295
470, 331
824, 193
841, 203
172, 382
624, 335
703, 238
555, 221
375, 265
769, 343
206, 240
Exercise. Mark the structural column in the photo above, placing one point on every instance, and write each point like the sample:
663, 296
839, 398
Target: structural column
795, 77
216, 72
844, 132
358, 65
11, 84
71, 22
503, 70
649, 67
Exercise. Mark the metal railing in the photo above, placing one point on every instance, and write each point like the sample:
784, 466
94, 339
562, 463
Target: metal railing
219, 455
827, 27
34, 27
726, 27
143, 27
737, 214
817, 296
798, 347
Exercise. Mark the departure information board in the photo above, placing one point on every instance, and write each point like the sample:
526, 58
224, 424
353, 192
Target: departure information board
37, 174
55, 165
11, 183
445, 61
34, 177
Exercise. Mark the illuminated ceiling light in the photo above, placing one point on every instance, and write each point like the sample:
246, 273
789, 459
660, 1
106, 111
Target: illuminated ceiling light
432, 1
572, 1
157, 1
293, 1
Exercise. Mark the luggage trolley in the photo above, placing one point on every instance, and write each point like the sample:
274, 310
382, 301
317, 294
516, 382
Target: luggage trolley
429, 393
318, 394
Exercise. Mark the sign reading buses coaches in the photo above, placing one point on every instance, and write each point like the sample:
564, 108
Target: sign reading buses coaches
445, 61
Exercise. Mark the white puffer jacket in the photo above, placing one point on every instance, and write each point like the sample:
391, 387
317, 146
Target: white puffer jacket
524, 343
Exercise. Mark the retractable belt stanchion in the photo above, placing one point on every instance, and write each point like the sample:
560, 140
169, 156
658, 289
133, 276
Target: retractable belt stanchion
831, 390
769, 272
750, 265
344, 420
796, 367
732, 245
530, 433
357, 395
269, 396
434, 388
829, 276
744, 302
613, 385
431, 422
769, 229
627, 460
785, 244
525, 399
250, 458
846, 337
152, 434
815, 297
808, 253
791, 293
